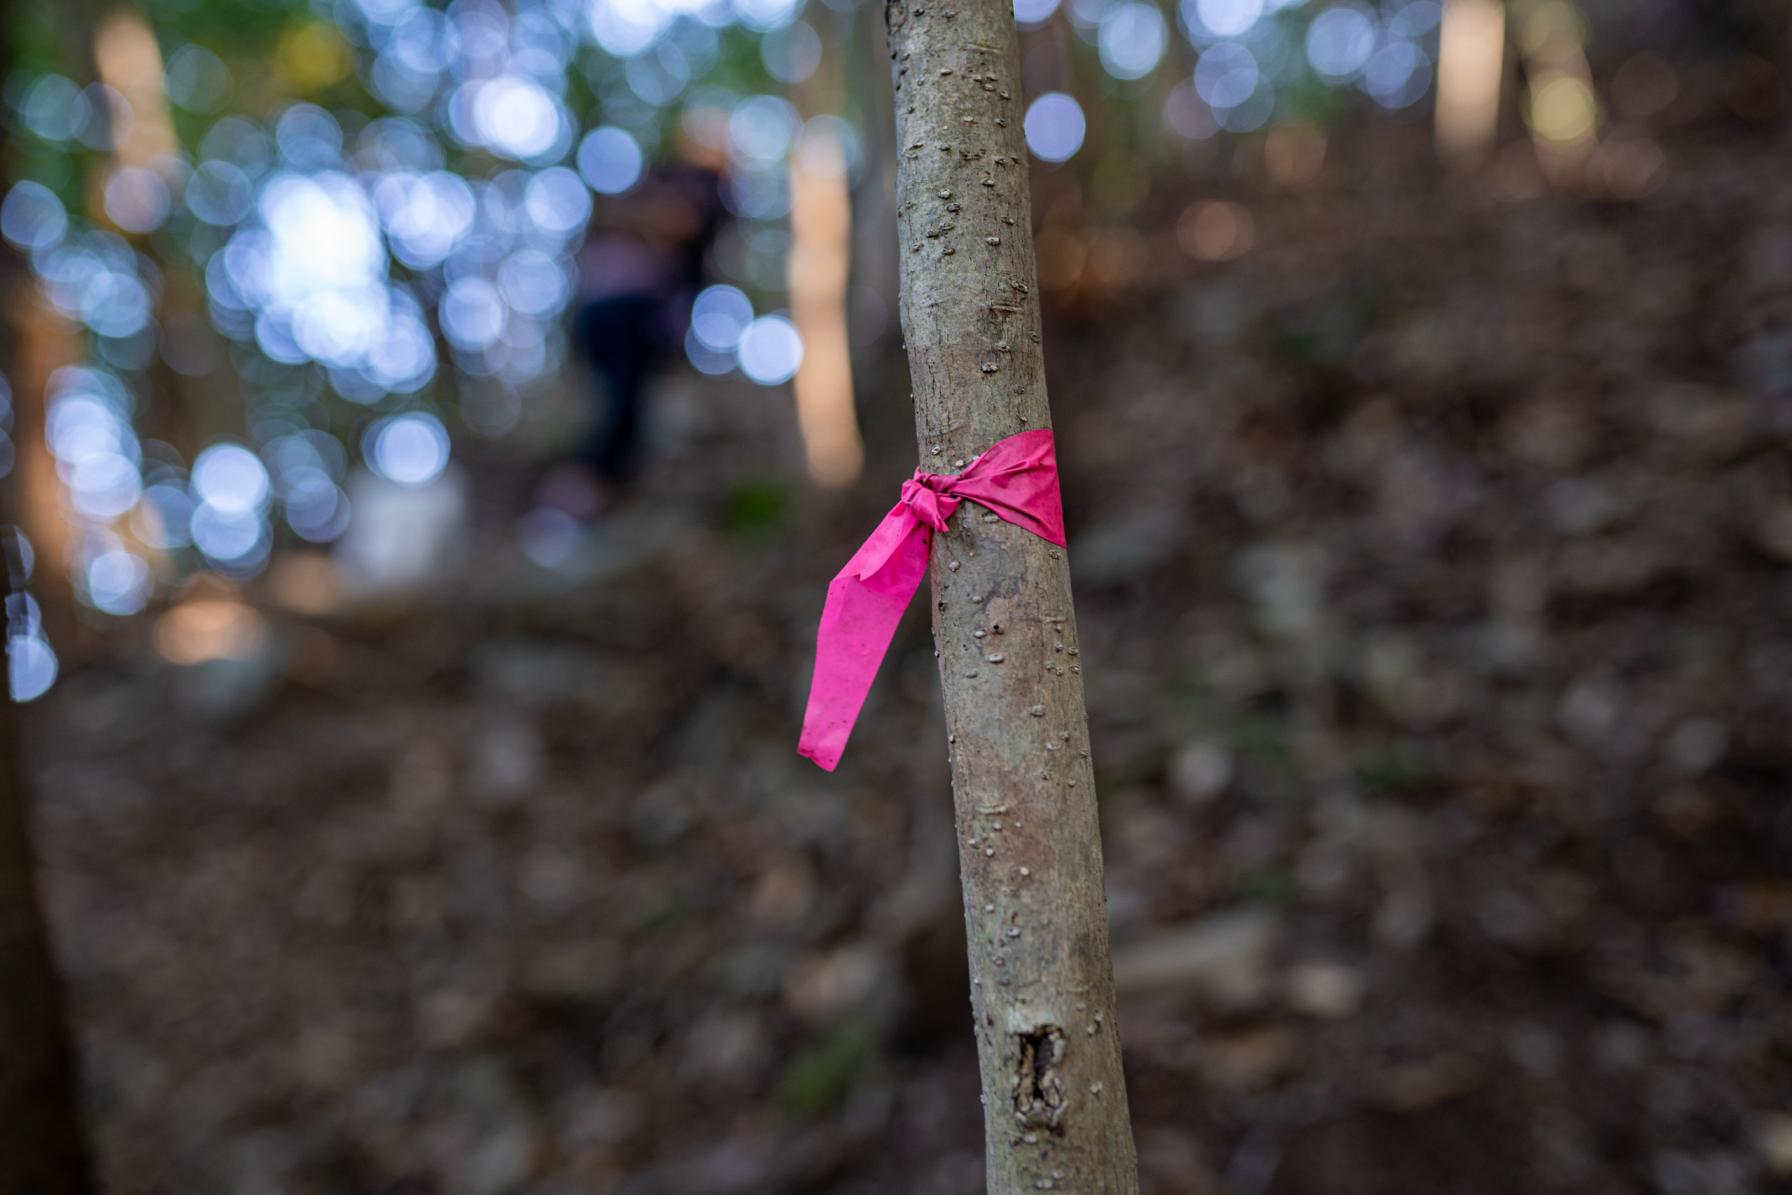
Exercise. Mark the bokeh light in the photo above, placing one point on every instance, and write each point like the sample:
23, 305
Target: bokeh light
31, 216
793, 53
1226, 75
136, 199
118, 582
1397, 75
1228, 18
770, 350
230, 478
1340, 40
762, 128
719, 315
513, 116
610, 159
1132, 39
410, 449
30, 666
472, 313
236, 540
1055, 126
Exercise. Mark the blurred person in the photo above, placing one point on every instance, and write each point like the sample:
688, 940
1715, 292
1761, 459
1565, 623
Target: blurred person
640, 267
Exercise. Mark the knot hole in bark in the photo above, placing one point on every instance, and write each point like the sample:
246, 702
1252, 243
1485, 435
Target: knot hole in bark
1038, 1089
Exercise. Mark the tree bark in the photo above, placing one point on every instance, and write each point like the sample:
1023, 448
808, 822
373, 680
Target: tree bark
1054, 1097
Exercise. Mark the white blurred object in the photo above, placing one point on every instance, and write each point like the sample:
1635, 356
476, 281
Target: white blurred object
402, 538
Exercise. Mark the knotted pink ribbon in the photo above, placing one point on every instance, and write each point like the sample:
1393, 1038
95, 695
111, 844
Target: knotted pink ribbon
1017, 478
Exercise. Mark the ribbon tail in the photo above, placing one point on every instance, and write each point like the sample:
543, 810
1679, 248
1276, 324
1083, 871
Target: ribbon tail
864, 606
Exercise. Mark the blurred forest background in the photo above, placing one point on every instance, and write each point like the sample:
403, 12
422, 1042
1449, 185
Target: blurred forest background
1423, 376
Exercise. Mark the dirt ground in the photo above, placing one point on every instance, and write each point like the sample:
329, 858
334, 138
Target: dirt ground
1433, 560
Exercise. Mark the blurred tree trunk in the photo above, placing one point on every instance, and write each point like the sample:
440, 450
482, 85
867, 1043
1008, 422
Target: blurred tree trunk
41, 1150
40, 1140
1470, 74
41, 1146
1055, 1115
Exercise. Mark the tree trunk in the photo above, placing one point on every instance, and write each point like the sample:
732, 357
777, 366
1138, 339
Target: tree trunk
41, 1147
40, 1140
1042, 990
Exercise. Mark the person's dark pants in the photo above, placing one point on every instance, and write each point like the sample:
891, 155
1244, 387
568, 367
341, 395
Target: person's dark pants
616, 337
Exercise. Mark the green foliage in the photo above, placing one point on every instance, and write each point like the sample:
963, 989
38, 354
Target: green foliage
823, 1072
755, 508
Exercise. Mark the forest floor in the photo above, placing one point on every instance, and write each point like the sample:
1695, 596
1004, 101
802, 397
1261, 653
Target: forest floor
1433, 561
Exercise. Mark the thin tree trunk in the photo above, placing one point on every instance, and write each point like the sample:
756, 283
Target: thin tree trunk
41, 1150
41, 1146
1042, 990
40, 1140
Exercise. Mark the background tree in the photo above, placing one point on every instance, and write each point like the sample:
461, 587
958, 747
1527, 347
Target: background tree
41, 1146
1054, 1098
41, 1151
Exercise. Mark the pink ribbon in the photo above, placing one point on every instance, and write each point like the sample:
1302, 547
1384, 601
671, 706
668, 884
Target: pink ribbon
1017, 478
